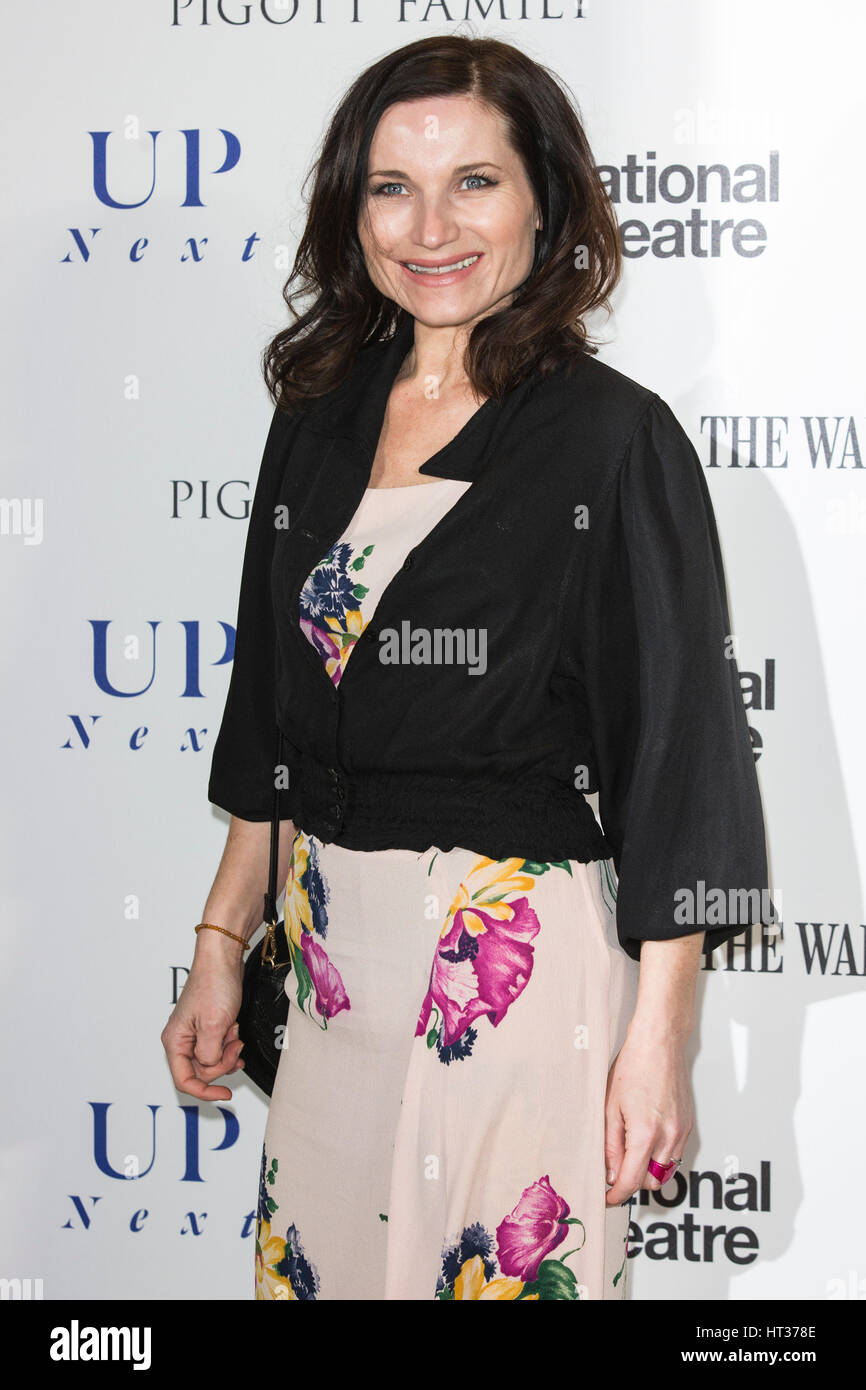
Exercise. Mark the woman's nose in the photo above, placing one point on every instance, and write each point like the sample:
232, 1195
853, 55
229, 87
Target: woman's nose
435, 222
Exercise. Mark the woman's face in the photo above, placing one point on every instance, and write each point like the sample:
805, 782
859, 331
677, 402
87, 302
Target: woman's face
444, 186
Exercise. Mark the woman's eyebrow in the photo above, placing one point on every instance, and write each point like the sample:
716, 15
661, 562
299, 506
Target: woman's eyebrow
460, 169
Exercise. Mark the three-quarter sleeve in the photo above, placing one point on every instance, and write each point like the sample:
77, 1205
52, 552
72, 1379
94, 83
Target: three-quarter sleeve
245, 753
679, 800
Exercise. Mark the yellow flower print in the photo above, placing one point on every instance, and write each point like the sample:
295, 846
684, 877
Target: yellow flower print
345, 636
298, 913
486, 885
470, 1284
270, 1250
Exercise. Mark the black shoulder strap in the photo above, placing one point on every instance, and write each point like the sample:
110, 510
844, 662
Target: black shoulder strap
271, 894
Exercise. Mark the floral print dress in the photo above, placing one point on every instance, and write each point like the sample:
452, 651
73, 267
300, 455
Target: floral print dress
436, 1129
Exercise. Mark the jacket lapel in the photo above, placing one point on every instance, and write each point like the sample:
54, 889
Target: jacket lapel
345, 425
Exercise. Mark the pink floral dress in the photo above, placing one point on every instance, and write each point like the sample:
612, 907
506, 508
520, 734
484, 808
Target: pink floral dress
436, 1129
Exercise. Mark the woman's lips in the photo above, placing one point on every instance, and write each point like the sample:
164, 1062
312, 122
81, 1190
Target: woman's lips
433, 277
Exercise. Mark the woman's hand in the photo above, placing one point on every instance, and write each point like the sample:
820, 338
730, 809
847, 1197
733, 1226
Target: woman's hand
649, 1112
201, 1036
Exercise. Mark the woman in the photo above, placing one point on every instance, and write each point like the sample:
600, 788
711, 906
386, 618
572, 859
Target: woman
492, 988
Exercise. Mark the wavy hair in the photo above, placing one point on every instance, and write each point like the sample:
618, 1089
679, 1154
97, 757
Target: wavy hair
544, 324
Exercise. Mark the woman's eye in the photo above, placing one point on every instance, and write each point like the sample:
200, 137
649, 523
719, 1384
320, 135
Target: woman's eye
479, 181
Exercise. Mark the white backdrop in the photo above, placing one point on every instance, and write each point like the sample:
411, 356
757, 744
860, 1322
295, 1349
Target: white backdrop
132, 395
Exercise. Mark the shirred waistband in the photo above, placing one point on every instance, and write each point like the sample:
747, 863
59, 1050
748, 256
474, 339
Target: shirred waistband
533, 816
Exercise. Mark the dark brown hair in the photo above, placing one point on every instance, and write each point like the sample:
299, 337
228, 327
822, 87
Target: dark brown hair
543, 326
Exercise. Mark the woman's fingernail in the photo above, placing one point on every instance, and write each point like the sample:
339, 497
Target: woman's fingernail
610, 1175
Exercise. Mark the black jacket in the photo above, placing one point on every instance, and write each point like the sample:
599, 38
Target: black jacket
586, 549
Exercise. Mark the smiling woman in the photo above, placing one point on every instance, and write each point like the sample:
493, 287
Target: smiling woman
449, 149
484, 214
490, 990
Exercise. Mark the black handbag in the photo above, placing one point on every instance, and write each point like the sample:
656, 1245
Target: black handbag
264, 1007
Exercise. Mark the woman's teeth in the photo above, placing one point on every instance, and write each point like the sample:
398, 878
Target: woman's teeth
440, 269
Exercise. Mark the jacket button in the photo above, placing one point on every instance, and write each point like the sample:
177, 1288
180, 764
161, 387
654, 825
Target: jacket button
409, 561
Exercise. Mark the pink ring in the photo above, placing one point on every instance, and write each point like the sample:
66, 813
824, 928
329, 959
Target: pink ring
661, 1171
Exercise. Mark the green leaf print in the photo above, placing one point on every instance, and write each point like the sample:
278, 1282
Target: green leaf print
534, 866
270, 1179
617, 1276
302, 975
553, 1281
609, 878
360, 591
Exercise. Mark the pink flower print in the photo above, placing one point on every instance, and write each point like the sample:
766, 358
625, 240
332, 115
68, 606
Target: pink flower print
484, 958
331, 994
535, 1227
325, 643
483, 973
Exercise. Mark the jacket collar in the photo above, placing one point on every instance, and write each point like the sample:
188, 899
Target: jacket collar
354, 411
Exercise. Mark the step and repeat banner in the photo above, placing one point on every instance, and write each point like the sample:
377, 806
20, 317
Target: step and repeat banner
153, 163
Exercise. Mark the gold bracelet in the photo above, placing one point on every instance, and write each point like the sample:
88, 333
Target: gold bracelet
245, 944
